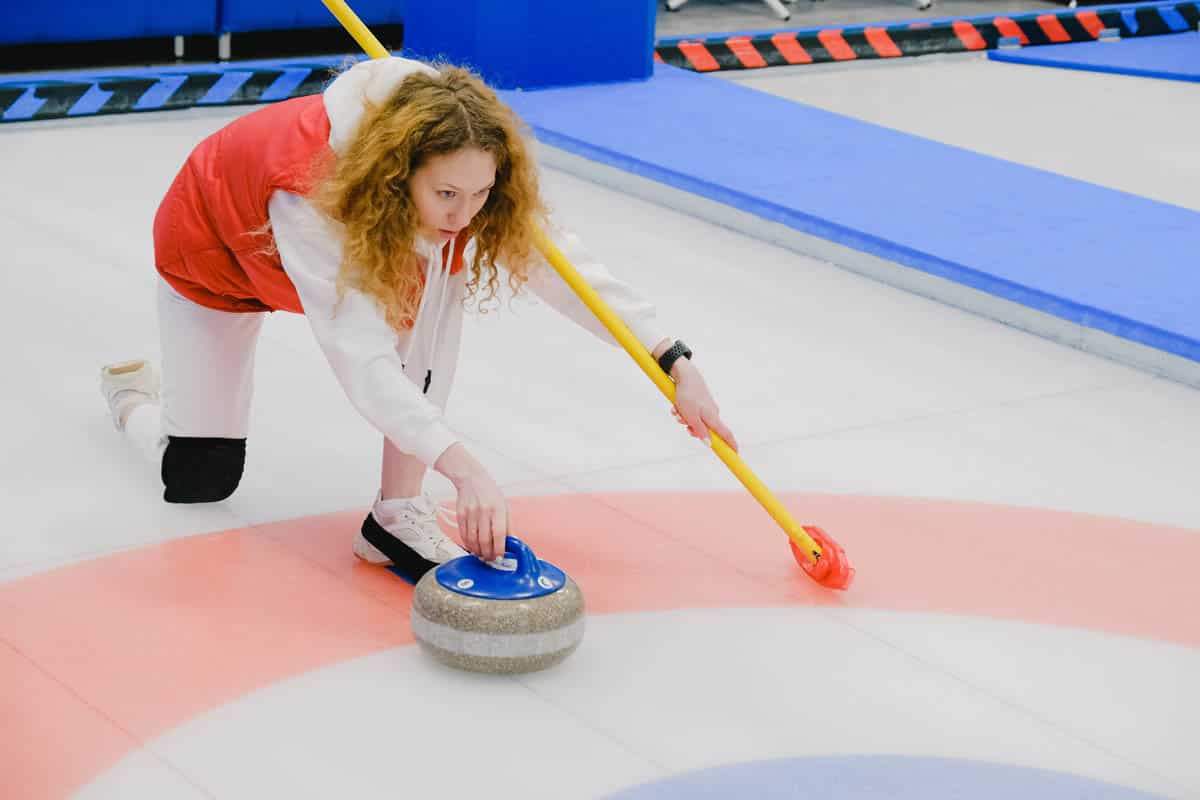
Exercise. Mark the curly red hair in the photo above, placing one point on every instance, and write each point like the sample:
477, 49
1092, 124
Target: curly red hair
366, 191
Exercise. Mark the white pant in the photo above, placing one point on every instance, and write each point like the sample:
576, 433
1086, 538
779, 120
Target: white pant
207, 367
208, 363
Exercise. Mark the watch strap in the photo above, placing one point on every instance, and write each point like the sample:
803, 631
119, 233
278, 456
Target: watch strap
674, 353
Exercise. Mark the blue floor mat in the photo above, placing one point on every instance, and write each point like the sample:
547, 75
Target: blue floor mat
1101, 258
1173, 57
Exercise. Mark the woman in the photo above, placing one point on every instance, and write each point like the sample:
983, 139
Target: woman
378, 210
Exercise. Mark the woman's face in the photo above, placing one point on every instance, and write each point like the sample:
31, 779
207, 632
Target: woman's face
448, 191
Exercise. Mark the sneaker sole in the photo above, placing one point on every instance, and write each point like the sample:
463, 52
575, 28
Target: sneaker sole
365, 551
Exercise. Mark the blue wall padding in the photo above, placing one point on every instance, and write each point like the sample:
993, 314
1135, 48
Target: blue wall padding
536, 43
254, 15
1175, 56
1101, 258
74, 21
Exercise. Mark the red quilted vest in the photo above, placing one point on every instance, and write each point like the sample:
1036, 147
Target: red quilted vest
205, 243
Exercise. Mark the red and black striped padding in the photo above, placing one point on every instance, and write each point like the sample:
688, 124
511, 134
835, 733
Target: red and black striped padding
789, 48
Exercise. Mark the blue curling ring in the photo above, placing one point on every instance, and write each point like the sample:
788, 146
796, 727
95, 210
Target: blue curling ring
529, 577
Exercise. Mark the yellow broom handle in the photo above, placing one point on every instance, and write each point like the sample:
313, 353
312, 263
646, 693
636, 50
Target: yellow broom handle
355, 27
620, 331
654, 372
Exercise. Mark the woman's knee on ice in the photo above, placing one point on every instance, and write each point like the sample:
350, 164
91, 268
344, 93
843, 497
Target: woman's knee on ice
202, 469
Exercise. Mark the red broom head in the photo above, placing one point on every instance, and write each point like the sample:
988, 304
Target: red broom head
832, 570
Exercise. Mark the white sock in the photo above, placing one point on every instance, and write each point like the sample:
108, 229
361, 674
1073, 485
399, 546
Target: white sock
419, 499
387, 511
143, 427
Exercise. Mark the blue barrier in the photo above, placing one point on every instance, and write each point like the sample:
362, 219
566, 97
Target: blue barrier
536, 43
69, 21
240, 16
72, 21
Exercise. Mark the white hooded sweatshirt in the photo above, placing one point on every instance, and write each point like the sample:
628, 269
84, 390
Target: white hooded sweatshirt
400, 382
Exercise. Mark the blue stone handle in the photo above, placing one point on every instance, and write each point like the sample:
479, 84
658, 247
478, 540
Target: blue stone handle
528, 566
525, 576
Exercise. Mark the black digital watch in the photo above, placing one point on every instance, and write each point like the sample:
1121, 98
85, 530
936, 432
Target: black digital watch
674, 353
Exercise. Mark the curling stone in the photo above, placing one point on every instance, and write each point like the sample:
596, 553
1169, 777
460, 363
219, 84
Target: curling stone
523, 616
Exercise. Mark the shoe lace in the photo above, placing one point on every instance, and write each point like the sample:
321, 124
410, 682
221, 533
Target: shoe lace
428, 518
422, 517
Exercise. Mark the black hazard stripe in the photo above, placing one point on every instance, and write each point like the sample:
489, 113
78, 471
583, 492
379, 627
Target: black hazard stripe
314, 83
60, 98
125, 94
192, 90
8, 96
253, 88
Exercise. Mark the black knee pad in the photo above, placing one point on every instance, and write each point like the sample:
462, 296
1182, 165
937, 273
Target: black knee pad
202, 469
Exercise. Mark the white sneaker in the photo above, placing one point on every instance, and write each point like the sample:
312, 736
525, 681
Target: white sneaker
125, 386
405, 533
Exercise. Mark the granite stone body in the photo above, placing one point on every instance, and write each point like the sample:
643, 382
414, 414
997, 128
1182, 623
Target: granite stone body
497, 636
